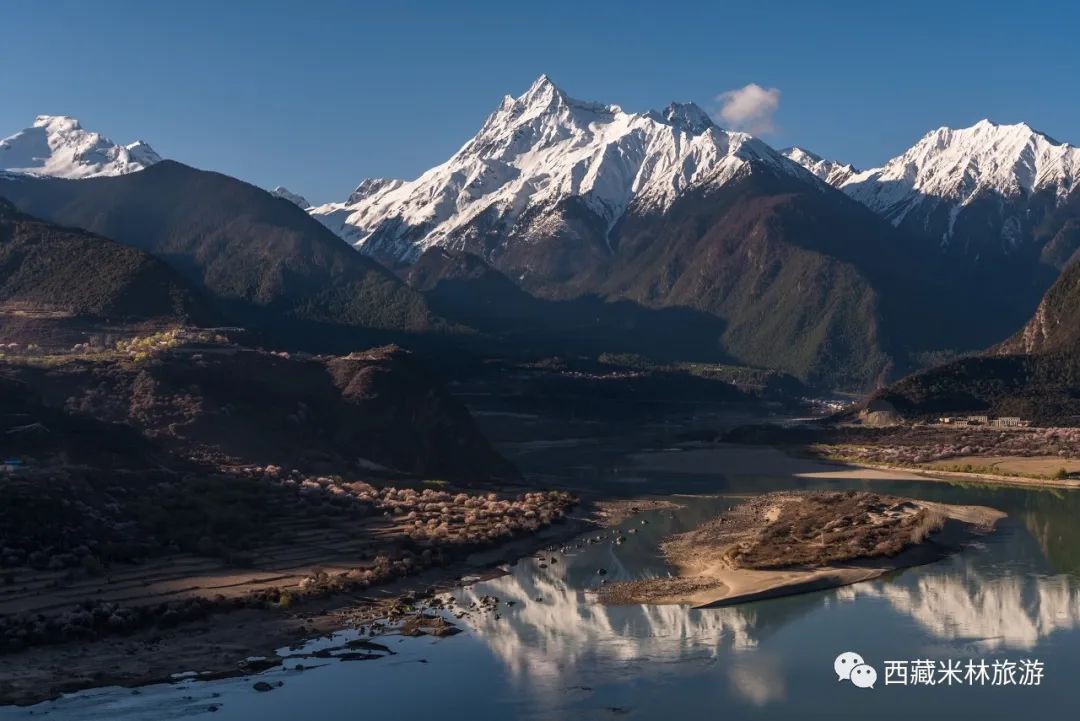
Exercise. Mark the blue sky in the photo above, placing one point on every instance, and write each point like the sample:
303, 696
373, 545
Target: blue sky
317, 95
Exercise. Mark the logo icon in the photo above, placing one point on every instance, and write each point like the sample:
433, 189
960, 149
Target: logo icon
850, 666
864, 676
844, 663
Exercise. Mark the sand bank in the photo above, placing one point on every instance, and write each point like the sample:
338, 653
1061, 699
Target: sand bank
769, 547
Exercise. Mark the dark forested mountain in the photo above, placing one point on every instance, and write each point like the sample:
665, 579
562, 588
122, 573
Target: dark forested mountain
48, 270
1034, 375
804, 280
1055, 327
1058, 235
465, 289
250, 250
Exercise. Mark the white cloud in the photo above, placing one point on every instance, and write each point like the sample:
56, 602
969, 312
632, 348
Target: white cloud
749, 108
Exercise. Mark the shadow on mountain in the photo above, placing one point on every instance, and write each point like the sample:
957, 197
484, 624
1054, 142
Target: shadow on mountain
1033, 375
44, 275
262, 258
382, 409
464, 289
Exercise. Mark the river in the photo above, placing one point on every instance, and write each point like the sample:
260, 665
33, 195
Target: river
555, 653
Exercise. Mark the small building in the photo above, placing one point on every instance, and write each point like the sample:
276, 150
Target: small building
978, 420
11, 464
1009, 422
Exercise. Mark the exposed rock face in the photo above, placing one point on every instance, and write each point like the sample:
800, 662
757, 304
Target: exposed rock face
1056, 323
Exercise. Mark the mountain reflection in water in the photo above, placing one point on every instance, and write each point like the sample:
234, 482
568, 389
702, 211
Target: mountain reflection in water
555, 653
967, 598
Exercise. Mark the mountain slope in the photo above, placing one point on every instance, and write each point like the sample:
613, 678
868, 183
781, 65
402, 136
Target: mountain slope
1055, 327
806, 281
979, 192
46, 269
58, 146
246, 247
321, 415
1058, 235
509, 183
666, 210
464, 289
1034, 375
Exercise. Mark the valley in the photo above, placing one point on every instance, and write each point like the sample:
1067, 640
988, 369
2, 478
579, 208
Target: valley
603, 394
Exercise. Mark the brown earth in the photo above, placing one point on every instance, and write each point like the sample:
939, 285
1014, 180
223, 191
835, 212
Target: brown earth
219, 645
379, 410
785, 543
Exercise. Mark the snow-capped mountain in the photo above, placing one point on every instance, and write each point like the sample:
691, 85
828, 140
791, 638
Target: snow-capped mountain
745, 251
282, 192
830, 171
535, 153
979, 189
56, 145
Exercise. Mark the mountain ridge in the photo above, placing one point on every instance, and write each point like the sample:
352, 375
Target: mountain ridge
832, 172
570, 198
982, 191
250, 250
535, 151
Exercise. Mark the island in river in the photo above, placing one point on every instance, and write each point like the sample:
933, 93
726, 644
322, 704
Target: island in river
785, 543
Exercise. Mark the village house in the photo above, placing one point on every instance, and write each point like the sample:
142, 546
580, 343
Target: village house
1001, 422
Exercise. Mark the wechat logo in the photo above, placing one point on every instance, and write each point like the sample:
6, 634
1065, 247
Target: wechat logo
849, 666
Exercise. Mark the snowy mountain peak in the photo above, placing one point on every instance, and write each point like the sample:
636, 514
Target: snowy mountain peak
57, 123
57, 145
983, 189
542, 104
542, 92
536, 151
282, 192
831, 171
688, 117
959, 166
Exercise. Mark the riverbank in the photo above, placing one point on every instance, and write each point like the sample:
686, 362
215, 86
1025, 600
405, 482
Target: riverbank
786, 543
744, 460
939, 474
222, 645
217, 644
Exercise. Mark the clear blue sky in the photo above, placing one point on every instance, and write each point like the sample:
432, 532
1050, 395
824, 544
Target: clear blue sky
317, 95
